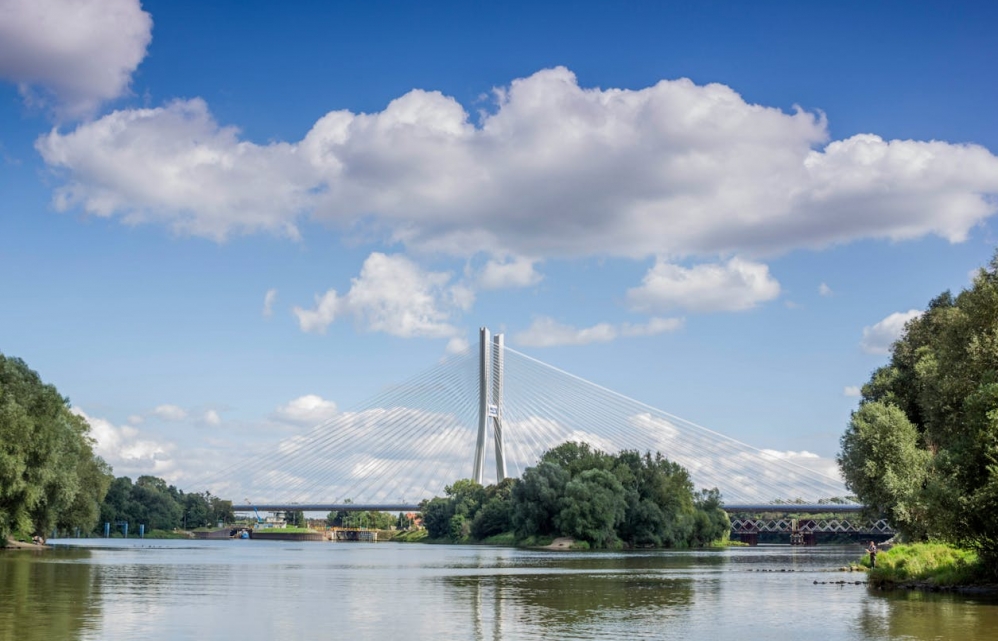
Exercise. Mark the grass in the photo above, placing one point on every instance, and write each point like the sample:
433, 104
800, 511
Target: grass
727, 543
930, 563
285, 530
536, 541
504, 538
164, 534
410, 536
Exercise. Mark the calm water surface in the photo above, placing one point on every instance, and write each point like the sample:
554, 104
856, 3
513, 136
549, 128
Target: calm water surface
280, 590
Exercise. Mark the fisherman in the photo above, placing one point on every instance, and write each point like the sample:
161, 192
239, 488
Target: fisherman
873, 554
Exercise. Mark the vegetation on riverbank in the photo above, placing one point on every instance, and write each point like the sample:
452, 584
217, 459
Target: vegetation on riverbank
51, 480
49, 475
927, 564
410, 536
290, 529
150, 501
922, 448
600, 500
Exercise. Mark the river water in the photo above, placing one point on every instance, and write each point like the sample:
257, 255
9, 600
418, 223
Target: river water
154, 590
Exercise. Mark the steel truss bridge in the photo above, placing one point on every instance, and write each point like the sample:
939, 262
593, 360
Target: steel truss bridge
414, 439
811, 526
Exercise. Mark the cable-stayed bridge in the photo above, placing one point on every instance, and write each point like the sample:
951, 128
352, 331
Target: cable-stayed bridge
488, 414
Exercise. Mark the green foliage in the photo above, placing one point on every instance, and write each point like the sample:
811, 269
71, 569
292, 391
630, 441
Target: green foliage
437, 513
934, 563
601, 500
204, 510
494, 517
412, 536
712, 525
923, 445
884, 463
374, 520
505, 538
592, 507
537, 498
369, 520
49, 475
158, 506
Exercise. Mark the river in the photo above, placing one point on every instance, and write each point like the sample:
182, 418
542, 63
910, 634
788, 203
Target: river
154, 589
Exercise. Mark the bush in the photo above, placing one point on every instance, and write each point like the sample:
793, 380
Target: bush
933, 563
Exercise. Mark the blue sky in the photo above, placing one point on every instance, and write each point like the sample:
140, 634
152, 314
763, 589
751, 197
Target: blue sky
736, 248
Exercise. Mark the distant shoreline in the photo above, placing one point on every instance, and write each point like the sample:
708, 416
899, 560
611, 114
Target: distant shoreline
21, 545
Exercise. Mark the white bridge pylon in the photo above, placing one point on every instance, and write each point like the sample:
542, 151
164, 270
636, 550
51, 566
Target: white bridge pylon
416, 437
490, 384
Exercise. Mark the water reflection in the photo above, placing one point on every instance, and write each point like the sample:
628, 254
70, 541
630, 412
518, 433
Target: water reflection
921, 615
179, 590
50, 595
574, 597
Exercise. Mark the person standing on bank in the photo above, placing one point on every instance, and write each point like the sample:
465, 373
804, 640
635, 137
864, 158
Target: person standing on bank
873, 554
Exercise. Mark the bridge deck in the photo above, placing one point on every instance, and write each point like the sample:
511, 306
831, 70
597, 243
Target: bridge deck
811, 508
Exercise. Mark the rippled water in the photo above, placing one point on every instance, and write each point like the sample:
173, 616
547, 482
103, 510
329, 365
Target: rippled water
280, 590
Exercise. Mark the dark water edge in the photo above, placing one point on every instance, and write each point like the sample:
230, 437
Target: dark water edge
169, 589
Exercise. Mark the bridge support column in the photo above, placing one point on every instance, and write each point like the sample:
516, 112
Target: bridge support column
490, 374
496, 413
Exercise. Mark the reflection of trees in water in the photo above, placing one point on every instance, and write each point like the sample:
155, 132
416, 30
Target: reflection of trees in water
921, 615
51, 595
535, 602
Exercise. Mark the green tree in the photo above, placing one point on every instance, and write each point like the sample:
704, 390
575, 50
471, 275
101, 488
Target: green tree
196, 511
943, 379
338, 518
154, 505
537, 499
576, 457
592, 507
437, 513
711, 522
496, 514
49, 476
883, 461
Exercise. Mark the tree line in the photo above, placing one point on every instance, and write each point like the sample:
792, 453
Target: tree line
603, 500
51, 479
151, 502
365, 519
922, 447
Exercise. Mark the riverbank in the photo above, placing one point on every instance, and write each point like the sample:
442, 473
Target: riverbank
505, 539
13, 544
932, 567
508, 539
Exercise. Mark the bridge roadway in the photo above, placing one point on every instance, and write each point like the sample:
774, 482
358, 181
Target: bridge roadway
755, 508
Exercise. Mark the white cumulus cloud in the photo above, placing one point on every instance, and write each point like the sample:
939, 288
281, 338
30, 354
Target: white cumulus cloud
509, 273
126, 449
392, 295
878, 338
555, 169
852, 391
547, 332
170, 412
732, 286
808, 460
824, 290
73, 53
307, 410
268, 302
177, 166
457, 345
652, 327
